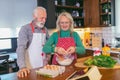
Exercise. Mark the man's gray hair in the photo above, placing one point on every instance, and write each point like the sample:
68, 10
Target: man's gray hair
38, 8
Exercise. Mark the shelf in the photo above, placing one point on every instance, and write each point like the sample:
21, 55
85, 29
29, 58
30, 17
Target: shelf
79, 27
69, 7
104, 2
109, 13
78, 17
76, 11
104, 25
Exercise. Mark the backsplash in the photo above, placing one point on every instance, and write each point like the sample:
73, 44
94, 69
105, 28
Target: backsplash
94, 37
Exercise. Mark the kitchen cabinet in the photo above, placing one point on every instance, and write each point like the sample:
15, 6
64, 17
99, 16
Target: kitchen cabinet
86, 13
91, 12
107, 12
74, 7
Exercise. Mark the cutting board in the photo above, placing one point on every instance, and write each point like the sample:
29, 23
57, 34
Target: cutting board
80, 63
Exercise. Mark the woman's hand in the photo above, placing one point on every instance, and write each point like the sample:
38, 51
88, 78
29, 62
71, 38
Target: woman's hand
23, 72
60, 50
71, 50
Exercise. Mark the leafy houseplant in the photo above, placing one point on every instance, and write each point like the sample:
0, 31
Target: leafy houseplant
106, 7
105, 20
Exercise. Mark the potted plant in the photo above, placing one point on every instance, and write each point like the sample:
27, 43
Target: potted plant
105, 20
106, 8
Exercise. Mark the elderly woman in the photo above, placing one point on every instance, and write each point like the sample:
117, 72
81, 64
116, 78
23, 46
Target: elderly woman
65, 41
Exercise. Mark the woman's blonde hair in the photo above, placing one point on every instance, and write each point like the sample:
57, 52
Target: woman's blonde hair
68, 15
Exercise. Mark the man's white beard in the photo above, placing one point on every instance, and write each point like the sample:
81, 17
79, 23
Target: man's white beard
40, 24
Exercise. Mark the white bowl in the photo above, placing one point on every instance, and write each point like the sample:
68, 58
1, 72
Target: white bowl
66, 61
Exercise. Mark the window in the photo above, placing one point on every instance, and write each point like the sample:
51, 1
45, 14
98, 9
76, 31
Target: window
8, 44
5, 44
14, 14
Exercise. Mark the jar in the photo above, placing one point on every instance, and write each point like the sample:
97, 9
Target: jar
63, 2
77, 4
56, 2
106, 50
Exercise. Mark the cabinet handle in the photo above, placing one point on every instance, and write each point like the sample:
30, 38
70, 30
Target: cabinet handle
90, 20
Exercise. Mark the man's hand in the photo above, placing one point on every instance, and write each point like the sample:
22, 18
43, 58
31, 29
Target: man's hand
71, 50
23, 72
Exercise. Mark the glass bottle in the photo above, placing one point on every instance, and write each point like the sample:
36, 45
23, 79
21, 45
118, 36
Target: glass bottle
56, 2
90, 43
77, 14
79, 23
102, 42
63, 2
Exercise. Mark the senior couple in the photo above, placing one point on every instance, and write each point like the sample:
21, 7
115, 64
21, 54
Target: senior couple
34, 41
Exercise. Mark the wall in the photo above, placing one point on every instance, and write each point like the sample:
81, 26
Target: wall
117, 13
14, 14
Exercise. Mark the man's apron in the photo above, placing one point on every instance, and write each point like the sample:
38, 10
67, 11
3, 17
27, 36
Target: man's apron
34, 56
64, 43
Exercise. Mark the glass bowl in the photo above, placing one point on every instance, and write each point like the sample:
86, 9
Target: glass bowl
65, 60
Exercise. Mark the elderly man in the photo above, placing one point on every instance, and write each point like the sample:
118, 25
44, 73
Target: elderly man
31, 39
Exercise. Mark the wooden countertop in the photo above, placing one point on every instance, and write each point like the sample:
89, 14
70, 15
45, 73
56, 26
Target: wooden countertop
107, 74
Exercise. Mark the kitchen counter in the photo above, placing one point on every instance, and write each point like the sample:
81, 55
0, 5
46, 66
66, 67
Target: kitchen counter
90, 51
107, 74
113, 50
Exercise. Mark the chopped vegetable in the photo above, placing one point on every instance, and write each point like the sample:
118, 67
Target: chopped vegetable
101, 61
88, 62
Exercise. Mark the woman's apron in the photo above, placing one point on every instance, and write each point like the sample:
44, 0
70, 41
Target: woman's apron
34, 55
64, 43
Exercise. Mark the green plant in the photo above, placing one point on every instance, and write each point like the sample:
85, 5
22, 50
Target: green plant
105, 18
106, 6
